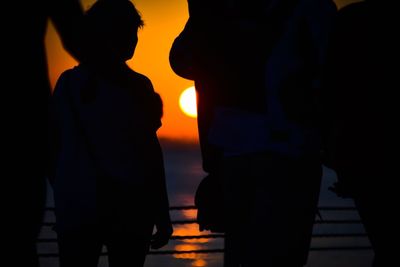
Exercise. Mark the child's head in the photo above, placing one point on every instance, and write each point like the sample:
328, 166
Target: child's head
111, 29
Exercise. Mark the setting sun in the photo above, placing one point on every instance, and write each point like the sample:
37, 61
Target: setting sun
187, 102
164, 21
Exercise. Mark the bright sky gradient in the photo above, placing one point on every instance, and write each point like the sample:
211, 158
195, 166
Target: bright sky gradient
164, 19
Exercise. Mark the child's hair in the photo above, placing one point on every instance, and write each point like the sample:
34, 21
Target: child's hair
110, 31
111, 27
108, 15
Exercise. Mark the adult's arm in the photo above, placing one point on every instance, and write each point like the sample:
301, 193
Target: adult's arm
67, 17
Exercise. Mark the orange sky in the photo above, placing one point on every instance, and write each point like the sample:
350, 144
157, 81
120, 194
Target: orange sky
164, 19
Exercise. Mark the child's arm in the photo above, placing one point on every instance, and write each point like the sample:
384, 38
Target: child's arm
163, 219
67, 17
154, 106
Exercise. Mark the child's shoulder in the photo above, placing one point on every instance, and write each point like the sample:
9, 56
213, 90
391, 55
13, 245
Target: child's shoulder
76, 71
138, 76
71, 78
140, 79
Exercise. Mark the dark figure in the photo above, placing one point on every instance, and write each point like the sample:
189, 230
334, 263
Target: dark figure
256, 69
26, 89
109, 181
360, 118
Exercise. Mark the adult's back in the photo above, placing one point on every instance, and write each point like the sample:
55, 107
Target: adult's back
26, 90
361, 82
234, 96
360, 109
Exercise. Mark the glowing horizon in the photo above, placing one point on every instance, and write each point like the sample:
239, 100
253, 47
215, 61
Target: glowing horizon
164, 20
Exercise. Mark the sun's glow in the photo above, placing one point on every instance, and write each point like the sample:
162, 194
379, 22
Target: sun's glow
187, 102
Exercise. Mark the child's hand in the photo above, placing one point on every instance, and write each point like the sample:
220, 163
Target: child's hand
161, 237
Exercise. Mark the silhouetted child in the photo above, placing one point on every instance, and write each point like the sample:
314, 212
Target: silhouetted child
109, 181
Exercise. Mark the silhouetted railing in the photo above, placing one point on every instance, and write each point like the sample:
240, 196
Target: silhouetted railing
319, 221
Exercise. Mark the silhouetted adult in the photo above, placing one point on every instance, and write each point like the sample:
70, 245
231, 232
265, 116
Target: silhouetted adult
109, 181
256, 70
26, 89
360, 117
